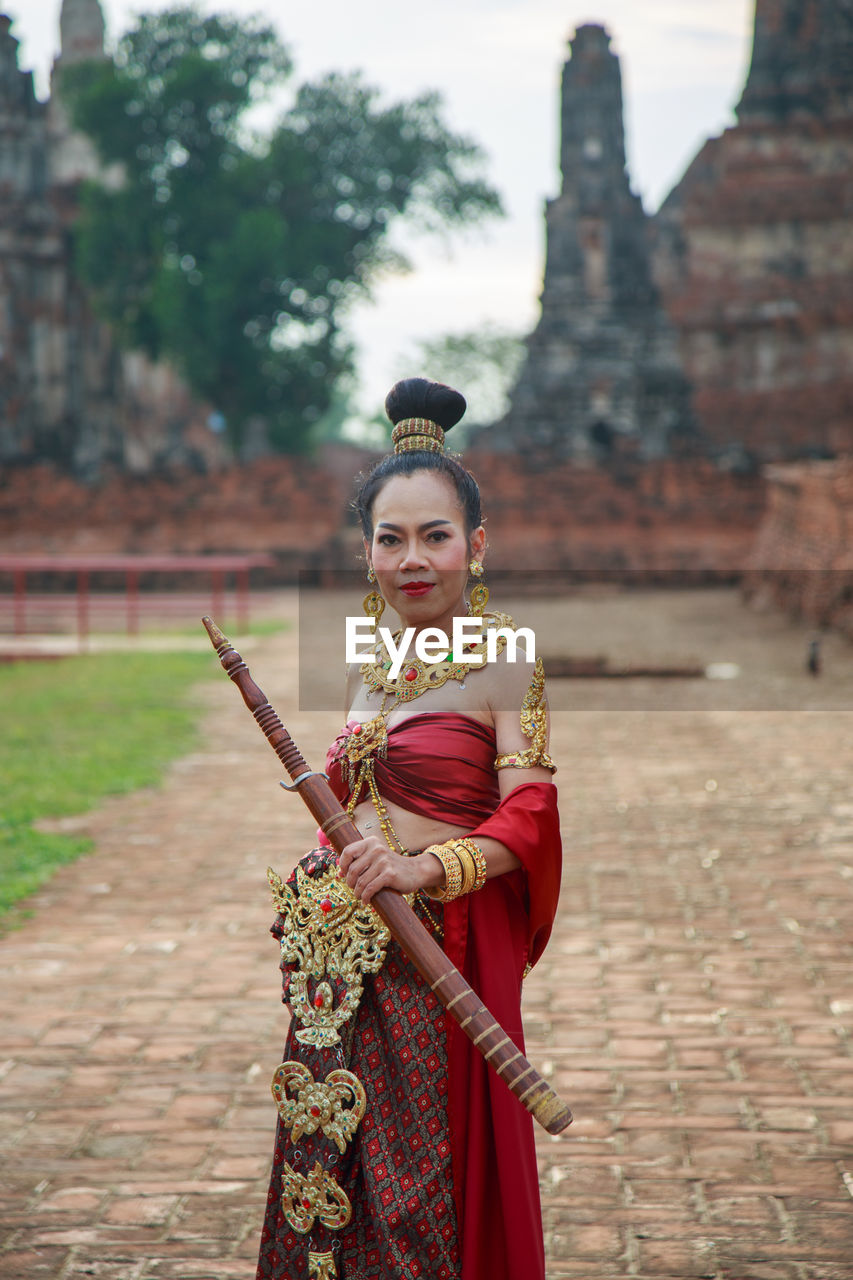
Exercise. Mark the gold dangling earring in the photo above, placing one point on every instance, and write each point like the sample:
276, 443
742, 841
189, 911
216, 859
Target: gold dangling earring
373, 603
480, 592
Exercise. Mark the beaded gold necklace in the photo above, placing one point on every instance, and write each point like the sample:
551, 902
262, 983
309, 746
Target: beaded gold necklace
417, 677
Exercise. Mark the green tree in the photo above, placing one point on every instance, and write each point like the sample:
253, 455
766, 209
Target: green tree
236, 256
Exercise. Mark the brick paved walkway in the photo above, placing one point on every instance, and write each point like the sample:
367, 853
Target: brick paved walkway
695, 1007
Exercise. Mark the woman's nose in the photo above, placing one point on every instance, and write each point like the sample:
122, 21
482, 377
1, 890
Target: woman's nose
412, 555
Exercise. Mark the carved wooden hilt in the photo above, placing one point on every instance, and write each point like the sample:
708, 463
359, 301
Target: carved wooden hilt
436, 968
256, 700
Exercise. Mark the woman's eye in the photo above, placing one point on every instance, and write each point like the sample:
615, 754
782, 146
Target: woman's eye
386, 539
438, 535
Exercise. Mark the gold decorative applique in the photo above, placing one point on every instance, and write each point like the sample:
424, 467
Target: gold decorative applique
321, 1266
327, 934
336, 1106
363, 743
315, 1198
329, 941
534, 725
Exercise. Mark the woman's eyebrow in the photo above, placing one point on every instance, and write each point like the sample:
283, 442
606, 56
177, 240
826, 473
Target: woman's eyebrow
429, 524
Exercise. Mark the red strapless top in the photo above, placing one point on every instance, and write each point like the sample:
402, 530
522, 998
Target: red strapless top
424, 752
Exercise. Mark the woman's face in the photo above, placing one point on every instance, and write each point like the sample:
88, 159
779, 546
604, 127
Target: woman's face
420, 550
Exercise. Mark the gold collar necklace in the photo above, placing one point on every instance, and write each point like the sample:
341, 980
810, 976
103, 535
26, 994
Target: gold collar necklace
416, 677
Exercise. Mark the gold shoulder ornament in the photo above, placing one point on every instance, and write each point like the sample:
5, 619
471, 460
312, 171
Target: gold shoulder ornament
534, 725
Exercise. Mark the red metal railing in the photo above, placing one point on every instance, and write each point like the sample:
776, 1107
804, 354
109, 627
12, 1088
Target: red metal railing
83, 567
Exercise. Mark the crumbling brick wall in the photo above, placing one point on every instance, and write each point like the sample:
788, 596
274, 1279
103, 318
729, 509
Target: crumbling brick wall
664, 517
803, 554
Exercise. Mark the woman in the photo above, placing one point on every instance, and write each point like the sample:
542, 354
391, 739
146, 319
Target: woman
445, 771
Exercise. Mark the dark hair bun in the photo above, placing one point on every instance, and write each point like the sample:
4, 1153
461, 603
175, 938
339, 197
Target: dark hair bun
420, 398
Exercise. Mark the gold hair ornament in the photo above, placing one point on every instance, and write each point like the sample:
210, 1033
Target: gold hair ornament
418, 435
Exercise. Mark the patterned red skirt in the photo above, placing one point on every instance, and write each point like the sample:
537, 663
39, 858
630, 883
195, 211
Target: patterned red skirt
397, 1170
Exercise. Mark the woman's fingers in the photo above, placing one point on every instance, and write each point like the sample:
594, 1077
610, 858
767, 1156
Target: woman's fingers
368, 884
368, 866
384, 873
355, 850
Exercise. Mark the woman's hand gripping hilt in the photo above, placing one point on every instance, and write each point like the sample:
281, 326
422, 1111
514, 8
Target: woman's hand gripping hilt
256, 700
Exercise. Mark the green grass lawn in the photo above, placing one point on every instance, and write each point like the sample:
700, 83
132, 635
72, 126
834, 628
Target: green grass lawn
75, 730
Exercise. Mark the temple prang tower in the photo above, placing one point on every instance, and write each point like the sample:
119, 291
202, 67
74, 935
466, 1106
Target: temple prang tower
68, 394
754, 248
59, 373
81, 32
602, 377
802, 62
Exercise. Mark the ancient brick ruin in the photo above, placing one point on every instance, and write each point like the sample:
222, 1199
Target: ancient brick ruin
752, 256
66, 392
684, 517
722, 327
718, 332
754, 247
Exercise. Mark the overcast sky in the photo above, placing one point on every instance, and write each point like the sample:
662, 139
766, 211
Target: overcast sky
497, 64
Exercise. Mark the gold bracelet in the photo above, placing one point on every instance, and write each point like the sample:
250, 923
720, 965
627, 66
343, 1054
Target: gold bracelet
464, 868
466, 861
478, 862
452, 886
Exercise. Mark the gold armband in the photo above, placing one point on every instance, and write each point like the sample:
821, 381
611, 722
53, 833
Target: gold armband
534, 725
464, 868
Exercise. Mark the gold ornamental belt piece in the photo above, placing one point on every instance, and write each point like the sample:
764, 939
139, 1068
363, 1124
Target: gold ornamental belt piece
315, 1197
332, 939
336, 1106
